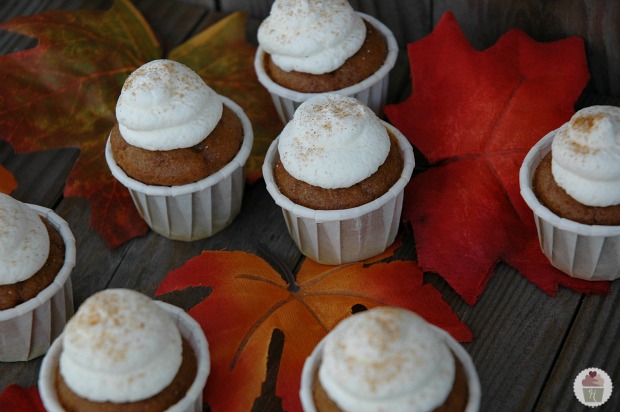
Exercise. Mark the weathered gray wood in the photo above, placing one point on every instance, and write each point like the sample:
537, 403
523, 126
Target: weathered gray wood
208, 4
179, 18
408, 20
151, 258
41, 175
10, 42
258, 9
95, 262
592, 341
517, 332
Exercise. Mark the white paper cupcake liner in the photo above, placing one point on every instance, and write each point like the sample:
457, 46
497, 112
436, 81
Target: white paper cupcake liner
195, 210
28, 329
190, 330
334, 237
371, 91
312, 362
590, 252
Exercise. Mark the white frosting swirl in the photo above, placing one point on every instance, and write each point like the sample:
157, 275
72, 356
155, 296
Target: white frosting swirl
333, 141
386, 359
586, 156
165, 105
311, 36
24, 241
120, 347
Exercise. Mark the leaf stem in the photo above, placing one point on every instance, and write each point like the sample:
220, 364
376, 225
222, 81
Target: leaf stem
279, 266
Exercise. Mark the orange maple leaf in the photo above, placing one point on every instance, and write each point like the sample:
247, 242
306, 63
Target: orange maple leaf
7, 181
63, 93
250, 304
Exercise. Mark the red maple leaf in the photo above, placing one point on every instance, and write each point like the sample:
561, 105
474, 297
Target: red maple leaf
63, 93
14, 398
475, 115
250, 305
7, 181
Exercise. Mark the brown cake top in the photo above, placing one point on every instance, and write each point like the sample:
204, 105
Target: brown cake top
559, 202
181, 166
367, 61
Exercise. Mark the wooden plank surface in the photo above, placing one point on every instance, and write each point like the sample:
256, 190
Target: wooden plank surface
528, 346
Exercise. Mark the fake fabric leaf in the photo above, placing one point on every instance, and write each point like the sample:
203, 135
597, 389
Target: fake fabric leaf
14, 398
251, 306
7, 181
63, 93
475, 115
232, 75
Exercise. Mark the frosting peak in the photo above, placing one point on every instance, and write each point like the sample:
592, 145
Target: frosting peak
24, 242
333, 141
386, 358
165, 105
311, 36
586, 156
120, 347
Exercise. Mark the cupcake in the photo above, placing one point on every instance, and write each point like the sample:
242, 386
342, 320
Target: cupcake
593, 387
37, 255
180, 149
123, 351
323, 46
571, 181
389, 359
339, 172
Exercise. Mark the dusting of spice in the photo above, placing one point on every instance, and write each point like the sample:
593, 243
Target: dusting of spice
120, 347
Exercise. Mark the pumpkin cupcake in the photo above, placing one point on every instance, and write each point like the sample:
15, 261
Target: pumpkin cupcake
123, 351
389, 359
180, 149
339, 173
571, 181
309, 47
37, 255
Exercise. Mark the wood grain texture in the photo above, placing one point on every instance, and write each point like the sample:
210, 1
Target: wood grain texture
517, 332
174, 15
592, 341
258, 9
41, 176
408, 20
